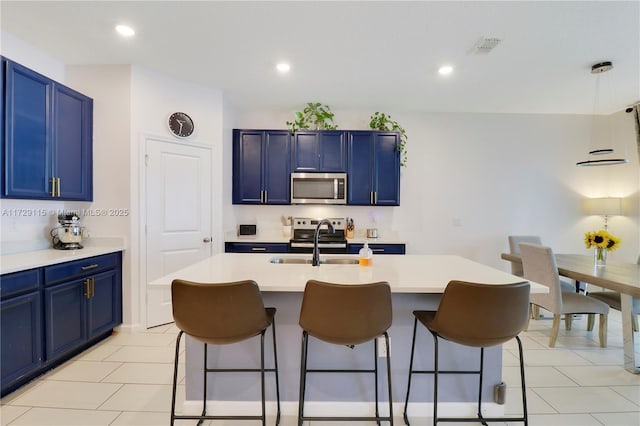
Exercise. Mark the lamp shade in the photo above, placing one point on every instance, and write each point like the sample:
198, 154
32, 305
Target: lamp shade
603, 206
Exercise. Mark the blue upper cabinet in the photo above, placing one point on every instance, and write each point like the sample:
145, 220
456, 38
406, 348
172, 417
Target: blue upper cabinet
261, 166
374, 168
47, 138
319, 151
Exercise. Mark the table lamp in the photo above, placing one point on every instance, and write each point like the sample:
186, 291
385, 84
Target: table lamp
603, 207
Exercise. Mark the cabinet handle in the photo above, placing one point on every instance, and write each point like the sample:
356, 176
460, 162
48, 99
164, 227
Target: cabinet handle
87, 288
53, 186
93, 287
58, 181
86, 268
264, 201
375, 197
378, 250
258, 249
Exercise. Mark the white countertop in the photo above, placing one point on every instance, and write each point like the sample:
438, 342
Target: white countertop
33, 259
405, 274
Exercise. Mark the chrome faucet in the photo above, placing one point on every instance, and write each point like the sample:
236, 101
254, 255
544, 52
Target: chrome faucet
316, 253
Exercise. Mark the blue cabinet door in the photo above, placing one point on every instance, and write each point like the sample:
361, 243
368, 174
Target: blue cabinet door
374, 168
277, 167
361, 168
65, 318
28, 137
47, 138
104, 310
72, 153
247, 167
387, 169
319, 151
21, 338
261, 166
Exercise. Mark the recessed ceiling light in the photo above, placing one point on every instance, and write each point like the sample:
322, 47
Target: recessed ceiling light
125, 30
445, 70
283, 67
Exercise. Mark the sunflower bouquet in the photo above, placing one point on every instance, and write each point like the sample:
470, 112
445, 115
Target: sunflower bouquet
601, 239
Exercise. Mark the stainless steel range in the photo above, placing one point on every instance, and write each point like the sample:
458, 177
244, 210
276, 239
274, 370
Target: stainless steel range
302, 235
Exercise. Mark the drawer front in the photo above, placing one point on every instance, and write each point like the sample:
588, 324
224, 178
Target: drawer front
20, 282
379, 248
256, 247
79, 268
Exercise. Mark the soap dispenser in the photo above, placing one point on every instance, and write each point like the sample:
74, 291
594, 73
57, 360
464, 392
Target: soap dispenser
365, 256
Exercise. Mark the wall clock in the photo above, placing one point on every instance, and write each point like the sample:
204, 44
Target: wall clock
181, 124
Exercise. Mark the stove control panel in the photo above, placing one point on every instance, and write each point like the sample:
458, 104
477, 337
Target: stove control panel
311, 223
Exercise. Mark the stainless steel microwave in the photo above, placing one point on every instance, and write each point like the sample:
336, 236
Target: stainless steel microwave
318, 188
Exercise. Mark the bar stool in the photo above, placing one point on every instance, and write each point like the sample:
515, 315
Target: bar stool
345, 314
476, 315
221, 314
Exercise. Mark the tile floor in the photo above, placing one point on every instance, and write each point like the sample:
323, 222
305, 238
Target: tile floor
126, 380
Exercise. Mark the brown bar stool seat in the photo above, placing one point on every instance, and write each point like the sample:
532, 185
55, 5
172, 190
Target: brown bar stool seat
345, 314
476, 315
222, 314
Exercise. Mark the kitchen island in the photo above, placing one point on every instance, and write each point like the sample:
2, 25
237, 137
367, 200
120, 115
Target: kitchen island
416, 281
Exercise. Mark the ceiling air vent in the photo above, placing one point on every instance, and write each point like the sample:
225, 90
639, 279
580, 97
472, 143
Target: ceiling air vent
484, 45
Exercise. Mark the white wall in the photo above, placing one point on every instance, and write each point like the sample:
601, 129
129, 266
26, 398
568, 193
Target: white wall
473, 179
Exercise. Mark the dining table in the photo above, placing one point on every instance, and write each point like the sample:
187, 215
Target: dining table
623, 277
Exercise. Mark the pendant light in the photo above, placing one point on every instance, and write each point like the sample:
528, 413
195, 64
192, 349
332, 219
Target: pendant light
598, 69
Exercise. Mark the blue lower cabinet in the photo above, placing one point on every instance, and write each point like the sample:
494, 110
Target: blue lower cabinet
21, 334
65, 316
256, 247
378, 248
49, 314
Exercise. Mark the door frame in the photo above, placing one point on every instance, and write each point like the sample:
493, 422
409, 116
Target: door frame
146, 138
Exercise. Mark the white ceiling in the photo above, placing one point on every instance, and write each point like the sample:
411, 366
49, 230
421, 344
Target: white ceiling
360, 55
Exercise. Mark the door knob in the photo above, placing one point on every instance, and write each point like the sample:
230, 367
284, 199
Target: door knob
206, 240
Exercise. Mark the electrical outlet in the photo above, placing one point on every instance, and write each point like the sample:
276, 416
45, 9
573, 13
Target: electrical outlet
382, 347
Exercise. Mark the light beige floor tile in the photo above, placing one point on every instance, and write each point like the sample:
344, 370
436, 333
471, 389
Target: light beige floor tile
535, 404
553, 357
160, 328
163, 355
84, 371
586, 400
134, 397
8, 399
632, 393
144, 374
142, 339
618, 419
510, 359
562, 420
602, 356
10, 412
139, 418
98, 353
536, 377
61, 417
595, 375
56, 394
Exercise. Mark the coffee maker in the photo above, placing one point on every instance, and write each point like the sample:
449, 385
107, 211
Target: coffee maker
68, 235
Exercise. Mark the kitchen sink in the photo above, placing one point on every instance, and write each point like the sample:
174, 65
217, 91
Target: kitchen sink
340, 261
291, 260
305, 261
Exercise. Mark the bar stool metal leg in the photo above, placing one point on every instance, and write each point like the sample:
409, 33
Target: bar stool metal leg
413, 346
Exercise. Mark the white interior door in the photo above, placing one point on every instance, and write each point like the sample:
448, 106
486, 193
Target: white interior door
178, 225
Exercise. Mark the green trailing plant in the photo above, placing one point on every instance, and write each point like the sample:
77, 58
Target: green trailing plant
382, 121
314, 116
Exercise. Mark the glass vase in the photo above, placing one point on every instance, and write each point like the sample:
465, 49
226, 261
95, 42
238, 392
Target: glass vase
599, 256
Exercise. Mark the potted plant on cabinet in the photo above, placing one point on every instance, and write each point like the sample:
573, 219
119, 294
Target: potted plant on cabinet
383, 122
314, 116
